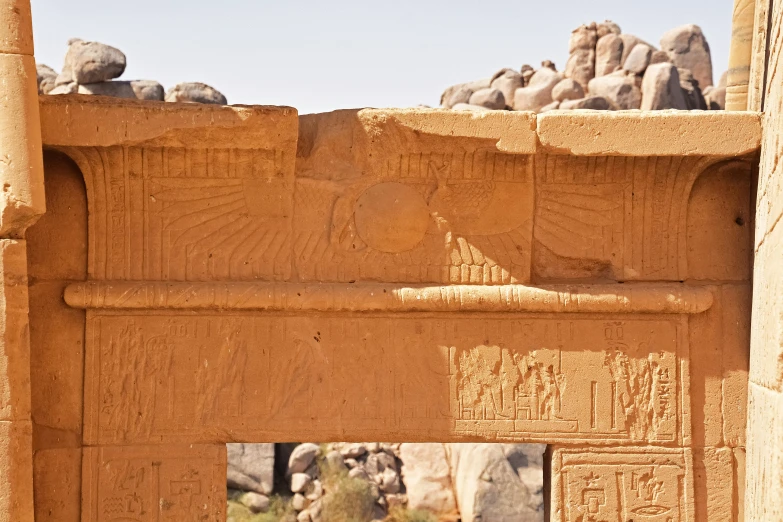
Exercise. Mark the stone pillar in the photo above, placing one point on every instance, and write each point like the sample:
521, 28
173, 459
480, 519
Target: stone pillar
764, 461
740, 55
21, 174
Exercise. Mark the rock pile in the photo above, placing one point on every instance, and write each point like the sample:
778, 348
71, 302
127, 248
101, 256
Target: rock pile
469, 482
93, 68
606, 70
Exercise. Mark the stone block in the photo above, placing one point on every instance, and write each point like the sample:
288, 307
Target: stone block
166, 482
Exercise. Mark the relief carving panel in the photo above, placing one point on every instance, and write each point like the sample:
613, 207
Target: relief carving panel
154, 483
650, 484
215, 378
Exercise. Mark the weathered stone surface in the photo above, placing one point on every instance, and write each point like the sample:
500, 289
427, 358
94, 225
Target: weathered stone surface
508, 82
716, 99
92, 62
687, 48
195, 93
581, 66
567, 89
486, 486
694, 98
594, 103
607, 27
469, 107
489, 98
138, 89
661, 88
629, 42
300, 481
659, 57
583, 37
538, 93
460, 93
619, 88
427, 477
46, 78
608, 54
302, 457
68, 88
638, 59
255, 502
251, 467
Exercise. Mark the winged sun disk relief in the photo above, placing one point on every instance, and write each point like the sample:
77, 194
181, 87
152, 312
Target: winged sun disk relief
463, 208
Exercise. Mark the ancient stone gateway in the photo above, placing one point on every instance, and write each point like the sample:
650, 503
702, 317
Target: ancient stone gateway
246, 274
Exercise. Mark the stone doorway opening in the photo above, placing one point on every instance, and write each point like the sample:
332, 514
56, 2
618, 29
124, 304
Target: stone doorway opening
393, 482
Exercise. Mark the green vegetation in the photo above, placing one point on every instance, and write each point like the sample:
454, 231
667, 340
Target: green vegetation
400, 514
348, 499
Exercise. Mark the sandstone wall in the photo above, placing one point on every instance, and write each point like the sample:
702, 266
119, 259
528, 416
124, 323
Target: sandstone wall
765, 407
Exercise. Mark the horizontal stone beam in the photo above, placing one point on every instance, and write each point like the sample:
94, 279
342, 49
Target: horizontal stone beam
650, 133
82, 121
608, 298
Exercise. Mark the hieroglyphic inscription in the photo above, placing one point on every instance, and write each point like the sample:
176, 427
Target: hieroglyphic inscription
234, 377
617, 217
154, 483
474, 227
650, 484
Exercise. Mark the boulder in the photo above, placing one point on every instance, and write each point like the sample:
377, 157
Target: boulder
67, 88
551, 107
314, 490
629, 42
661, 88
527, 72
148, 90
549, 64
567, 89
608, 27
687, 48
468, 107
352, 451
255, 502
486, 486
335, 461
298, 502
427, 477
527, 460
593, 103
299, 481
659, 57
581, 66
581, 60
638, 59
251, 467
489, 98
716, 99
461, 95
46, 78
92, 62
619, 88
608, 54
137, 89
583, 37
469, 86
195, 93
694, 98
302, 457
508, 83
538, 93
390, 481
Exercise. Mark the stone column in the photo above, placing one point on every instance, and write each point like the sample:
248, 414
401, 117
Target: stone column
740, 55
22, 202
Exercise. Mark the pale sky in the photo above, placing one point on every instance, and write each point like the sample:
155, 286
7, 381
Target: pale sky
323, 55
